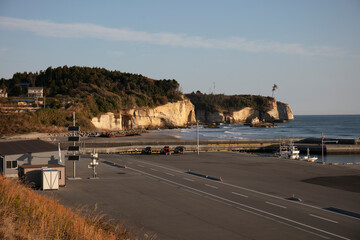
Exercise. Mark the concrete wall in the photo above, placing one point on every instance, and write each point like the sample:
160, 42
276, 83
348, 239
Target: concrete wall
30, 159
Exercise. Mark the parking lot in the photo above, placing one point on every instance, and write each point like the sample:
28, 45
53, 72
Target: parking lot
248, 192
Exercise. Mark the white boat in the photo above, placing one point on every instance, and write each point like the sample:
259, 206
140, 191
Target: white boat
310, 158
289, 152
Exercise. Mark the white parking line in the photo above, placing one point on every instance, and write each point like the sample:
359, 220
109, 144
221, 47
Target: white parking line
239, 194
252, 190
250, 209
211, 186
141, 165
199, 194
326, 219
170, 174
274, 204
188, 179
154, 169
157, 165
277, 197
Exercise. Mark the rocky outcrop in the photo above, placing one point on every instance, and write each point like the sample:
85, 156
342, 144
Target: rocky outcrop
177, 114
285, 112
210, 117
279, 112
108, 121
245, 115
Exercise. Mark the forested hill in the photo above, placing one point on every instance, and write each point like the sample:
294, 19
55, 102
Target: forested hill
109, 89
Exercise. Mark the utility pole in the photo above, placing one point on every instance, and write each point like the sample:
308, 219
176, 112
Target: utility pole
322, 148
74, 164
197, 136
74, 149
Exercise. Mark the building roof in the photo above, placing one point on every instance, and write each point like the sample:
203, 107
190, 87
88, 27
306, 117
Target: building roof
35, 88
41, 166
26, 146
23, 100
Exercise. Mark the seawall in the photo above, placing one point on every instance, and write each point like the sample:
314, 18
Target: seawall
250, 145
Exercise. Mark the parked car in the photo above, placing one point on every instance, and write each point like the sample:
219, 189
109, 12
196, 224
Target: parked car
165, 150
146, 150
179, 149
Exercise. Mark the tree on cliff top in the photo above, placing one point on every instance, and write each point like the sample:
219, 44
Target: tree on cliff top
273, 90
226, 103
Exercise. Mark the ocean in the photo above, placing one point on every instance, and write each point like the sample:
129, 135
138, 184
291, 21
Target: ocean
304, 126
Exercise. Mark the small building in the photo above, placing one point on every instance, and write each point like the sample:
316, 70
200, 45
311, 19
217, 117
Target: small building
31, 174
26, 152
35, 92
3, 93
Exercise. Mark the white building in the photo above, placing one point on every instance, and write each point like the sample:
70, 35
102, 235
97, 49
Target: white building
3, 93
35, 92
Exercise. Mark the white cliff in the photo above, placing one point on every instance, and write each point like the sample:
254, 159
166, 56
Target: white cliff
244, 115
177, 114
278, 112
108, 121
285, 112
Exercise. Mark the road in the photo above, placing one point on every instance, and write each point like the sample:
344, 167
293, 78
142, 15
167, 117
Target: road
181, 197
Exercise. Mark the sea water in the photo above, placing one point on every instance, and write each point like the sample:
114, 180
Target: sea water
303, 126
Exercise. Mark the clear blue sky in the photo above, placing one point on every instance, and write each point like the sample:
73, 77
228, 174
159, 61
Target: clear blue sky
310, 49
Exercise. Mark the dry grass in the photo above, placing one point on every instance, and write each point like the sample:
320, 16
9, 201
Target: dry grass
44, 120
24, 123
27, 215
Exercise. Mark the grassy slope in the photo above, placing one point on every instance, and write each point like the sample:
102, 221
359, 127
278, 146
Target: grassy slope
27, 215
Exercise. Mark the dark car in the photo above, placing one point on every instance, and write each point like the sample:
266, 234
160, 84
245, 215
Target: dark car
165, 150
179, 149
146, 150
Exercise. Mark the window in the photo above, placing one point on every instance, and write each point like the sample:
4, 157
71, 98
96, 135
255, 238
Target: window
1, 164
11, 164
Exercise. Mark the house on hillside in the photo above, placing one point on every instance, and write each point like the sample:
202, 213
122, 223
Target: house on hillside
3, 93
23, 102
35, 92
26, 152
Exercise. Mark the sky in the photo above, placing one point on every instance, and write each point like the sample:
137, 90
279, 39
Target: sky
309, 49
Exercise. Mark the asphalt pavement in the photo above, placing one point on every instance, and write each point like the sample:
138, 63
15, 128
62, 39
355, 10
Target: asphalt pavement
225, 195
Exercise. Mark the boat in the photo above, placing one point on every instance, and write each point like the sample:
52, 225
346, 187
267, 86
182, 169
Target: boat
310, 158
288, 152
